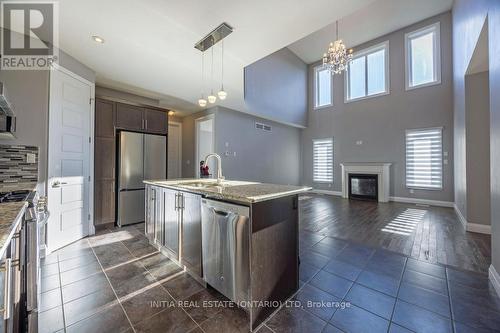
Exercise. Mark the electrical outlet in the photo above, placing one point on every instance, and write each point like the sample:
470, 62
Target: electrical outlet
30, 158
359, 142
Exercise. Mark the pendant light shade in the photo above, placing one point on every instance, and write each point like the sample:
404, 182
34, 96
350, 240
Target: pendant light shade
222, 94
212, 98
202, 102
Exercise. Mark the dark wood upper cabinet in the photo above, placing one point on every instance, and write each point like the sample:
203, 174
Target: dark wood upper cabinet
104, 118
129, 117
155, 121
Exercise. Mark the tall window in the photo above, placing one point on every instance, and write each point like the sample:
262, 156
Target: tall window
322, 87
424, 158
423, 57
368, 73
323, 160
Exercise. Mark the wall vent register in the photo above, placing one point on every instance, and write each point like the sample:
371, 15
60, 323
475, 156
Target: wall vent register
263, 127
424, 158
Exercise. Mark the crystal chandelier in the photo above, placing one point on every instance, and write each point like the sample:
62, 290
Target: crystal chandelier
338, 57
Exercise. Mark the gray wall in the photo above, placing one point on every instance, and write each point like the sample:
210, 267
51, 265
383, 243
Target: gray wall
272, 157
276, 88
28, 91
468, 19
380, 122
477, 115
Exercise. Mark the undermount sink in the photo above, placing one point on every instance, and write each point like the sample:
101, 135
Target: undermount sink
203, 184
212, 184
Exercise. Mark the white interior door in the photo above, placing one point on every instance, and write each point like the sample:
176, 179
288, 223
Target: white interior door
174, 150
205, 143
69, 156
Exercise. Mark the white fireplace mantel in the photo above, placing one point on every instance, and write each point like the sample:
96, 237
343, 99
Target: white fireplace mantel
380, 169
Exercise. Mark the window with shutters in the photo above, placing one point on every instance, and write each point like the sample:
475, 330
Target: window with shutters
424, 158
323, 160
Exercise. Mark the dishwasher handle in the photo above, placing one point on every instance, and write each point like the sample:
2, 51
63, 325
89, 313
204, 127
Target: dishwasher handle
219, 212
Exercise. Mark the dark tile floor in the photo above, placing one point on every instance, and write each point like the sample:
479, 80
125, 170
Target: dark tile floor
116, 282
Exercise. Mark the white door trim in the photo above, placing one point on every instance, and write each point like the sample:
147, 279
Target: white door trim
196, 121
180, 145
64, 70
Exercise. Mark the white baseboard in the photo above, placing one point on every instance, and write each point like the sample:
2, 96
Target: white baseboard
336, 193
422, 201
494, 279
462, 219
479, 228
472, 227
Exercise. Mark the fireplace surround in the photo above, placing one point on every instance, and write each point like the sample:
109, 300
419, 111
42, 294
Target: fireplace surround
381, 170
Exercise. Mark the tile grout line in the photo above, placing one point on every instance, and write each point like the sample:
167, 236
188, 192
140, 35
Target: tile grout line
161, 285
60, 293
397, 297
449, 300
112, 288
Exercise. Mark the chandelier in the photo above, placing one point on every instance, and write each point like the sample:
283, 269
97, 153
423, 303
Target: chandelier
338, 57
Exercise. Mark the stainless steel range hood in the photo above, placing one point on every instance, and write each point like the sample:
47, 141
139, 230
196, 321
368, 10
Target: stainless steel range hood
7, 118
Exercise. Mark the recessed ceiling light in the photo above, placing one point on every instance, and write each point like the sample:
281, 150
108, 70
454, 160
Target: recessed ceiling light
171, 113
98, 39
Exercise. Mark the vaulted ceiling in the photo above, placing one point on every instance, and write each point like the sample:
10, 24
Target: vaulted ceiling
149, 43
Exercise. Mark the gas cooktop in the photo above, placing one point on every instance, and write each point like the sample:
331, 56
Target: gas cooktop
14, 196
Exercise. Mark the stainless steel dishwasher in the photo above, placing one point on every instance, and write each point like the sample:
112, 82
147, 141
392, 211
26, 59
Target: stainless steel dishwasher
225, 248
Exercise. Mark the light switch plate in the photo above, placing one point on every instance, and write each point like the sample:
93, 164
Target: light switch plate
30, 158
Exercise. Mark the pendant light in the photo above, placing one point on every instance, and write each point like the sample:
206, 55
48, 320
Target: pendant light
202, 101
222, 94
212, 98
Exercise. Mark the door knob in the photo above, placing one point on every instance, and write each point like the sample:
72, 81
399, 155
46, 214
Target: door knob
57, 184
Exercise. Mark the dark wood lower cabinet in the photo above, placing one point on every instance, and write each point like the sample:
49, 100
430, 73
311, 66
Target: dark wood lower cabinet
104, 202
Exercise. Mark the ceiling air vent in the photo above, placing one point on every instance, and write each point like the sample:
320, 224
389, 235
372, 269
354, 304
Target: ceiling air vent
263, 127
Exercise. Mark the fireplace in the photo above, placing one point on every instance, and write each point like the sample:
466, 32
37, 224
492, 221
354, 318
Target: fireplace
363, 186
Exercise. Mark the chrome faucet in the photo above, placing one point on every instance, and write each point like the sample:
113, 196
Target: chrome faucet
220, 177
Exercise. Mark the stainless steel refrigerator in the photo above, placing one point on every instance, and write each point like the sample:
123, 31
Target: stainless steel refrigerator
142, 156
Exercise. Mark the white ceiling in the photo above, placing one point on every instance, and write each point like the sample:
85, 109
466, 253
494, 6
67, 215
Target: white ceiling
149, 44
374, 20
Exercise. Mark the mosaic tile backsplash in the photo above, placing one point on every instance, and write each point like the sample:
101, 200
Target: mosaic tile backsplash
14, 167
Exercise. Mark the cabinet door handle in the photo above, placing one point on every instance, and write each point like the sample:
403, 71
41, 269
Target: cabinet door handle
176, 201
146, 126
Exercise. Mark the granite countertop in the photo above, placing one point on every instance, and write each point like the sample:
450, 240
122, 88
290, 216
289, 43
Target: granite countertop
239, 191
11, 213
9, 187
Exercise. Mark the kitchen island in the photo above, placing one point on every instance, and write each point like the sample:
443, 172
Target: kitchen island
241, 238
